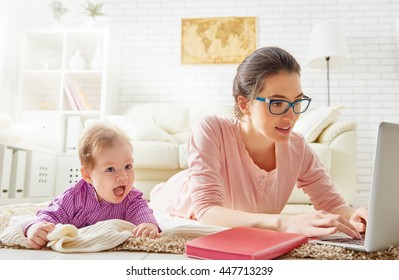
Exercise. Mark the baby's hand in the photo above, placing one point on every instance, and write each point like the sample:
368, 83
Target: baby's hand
37, 234
146, 229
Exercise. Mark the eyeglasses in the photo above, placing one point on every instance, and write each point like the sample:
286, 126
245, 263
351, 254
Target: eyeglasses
279, 106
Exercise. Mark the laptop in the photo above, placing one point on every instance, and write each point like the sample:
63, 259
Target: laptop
382, 229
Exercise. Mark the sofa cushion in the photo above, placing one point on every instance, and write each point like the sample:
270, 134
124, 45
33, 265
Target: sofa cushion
155, 155
145, 130
199, 111
312, 123
172, 117
324, 153
335, 129
148, 131
182, 137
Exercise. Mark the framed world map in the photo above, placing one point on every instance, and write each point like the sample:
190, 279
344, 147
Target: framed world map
217, 40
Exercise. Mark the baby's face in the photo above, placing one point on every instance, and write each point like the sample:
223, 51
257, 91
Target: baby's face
113, 172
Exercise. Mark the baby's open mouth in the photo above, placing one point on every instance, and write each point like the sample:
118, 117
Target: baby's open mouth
118, 191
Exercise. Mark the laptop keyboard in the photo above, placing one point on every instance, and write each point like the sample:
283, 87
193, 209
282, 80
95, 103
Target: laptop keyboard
346, 240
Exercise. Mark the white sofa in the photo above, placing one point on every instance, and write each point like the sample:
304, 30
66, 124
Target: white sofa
160, 131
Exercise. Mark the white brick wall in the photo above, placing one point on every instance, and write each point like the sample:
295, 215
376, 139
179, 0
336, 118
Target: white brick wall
150, 69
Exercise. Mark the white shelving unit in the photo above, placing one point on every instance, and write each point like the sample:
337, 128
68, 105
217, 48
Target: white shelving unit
45, 74
68, 172
27, 174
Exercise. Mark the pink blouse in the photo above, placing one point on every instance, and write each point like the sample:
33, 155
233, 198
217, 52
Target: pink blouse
222, 173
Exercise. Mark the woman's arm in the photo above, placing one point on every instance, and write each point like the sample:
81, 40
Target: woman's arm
345, 211
311, 224
226, 217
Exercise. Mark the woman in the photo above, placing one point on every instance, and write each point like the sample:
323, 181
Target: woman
242, 171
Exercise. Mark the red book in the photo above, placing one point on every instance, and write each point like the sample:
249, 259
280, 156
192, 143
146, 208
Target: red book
244, 243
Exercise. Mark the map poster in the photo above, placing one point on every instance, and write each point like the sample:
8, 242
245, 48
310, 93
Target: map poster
217, 40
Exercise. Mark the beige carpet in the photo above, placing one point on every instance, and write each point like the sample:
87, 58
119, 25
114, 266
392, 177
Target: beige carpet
175, 245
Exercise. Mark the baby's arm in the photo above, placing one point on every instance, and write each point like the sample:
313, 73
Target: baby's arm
146, 229
140, 214
37, 234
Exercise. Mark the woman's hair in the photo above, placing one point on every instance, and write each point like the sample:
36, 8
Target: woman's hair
256, 68
97, 137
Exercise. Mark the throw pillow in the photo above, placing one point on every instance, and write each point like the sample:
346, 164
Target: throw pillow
149, 131
335, 129
140, 130
312, 123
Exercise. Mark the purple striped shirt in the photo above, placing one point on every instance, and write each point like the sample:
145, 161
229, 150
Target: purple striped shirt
78, 205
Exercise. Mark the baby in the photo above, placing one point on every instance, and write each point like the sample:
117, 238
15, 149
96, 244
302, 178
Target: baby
105, 192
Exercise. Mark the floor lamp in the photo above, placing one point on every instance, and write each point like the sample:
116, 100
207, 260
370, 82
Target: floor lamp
327, 49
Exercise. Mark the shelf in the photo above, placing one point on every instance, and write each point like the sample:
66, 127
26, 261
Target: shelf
88, 113
84, 77
44, 52
40, 90
43, 72
55, 93
49, 82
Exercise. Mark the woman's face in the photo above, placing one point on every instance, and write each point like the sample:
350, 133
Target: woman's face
283, 86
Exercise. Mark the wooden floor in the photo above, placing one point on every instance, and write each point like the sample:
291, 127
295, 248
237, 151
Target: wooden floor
20, 254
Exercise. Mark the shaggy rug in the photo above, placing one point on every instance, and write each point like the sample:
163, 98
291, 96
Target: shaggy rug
175, 244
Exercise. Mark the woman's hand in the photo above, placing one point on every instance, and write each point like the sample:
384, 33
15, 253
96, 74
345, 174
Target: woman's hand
359, 219
319, 223
146, 229
37, 234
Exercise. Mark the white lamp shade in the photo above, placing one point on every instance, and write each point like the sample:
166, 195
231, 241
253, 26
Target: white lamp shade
327, 40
